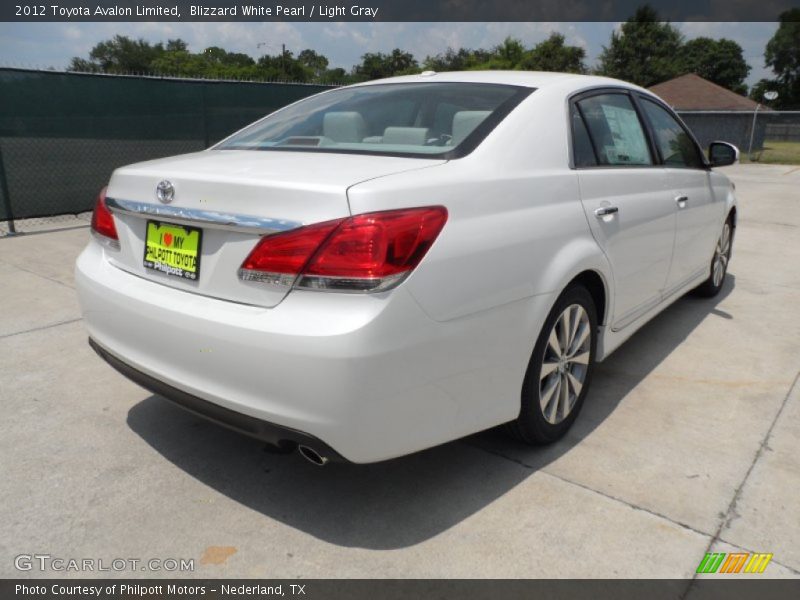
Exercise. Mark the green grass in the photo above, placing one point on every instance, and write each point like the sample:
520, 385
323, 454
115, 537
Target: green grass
780, 153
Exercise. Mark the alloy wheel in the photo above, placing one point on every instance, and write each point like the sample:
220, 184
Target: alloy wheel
565, 363
721, 255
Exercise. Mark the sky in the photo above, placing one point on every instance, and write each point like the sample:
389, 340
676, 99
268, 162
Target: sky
54, 44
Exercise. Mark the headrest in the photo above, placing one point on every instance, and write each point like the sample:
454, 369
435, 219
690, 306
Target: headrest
412, 136
465, 122
344, 126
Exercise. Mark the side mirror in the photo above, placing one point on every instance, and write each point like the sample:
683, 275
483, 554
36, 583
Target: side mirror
722, 154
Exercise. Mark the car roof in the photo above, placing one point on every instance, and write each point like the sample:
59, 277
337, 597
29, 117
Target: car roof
533, 79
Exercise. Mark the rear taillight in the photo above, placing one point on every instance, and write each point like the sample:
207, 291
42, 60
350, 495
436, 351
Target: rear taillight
102, 219
365, 253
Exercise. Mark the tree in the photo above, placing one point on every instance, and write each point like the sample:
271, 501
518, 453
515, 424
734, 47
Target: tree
221, 64
284, 66
120, 55
219, 56
720, 61
83, 65
376, 65
176, 45
179, 63
644, 52
124, 55
214, 62
553, 55
316, 63
336, 76
550, 55
783, 56
462, 60
507, 55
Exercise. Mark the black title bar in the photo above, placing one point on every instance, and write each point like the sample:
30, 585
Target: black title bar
387, 10
727, 588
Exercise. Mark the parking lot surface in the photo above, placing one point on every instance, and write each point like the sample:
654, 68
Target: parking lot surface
689, 443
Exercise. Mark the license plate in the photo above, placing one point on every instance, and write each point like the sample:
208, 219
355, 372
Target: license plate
173, 249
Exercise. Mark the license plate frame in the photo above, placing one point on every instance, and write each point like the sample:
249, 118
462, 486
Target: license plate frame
168, 249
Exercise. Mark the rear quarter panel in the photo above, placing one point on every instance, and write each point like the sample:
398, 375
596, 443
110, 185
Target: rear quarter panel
516, 226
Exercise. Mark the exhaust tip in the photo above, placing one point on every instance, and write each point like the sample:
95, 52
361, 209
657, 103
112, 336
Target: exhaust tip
312, 456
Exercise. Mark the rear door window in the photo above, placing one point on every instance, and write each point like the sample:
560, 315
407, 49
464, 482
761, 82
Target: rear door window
615, 131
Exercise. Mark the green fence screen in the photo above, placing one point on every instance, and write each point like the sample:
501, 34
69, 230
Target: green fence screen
62, 134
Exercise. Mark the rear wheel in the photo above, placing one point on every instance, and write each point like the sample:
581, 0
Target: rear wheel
560, 369
719, 263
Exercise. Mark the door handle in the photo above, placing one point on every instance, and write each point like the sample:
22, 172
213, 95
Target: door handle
682, 200
604, 211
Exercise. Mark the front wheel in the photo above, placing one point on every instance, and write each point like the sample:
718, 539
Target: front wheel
719, 263
560, 369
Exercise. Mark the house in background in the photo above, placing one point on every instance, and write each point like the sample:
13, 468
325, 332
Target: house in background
713, 112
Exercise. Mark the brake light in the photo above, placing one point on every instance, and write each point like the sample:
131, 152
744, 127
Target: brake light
279, 258
365, 253
102, 219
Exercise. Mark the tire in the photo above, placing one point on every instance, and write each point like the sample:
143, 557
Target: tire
719, 263
543, 422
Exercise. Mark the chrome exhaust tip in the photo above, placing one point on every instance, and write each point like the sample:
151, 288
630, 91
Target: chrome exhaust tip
312, 456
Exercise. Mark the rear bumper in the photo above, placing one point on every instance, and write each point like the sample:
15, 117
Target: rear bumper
283, 438
371, 377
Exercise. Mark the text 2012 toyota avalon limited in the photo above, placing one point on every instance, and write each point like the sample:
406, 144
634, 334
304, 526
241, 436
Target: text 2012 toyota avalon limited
385, 267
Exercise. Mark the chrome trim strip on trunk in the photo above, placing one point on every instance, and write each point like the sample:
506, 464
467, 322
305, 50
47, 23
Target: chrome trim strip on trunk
202, 218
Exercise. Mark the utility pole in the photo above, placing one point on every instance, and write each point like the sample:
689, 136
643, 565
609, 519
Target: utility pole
752, 133
283, 55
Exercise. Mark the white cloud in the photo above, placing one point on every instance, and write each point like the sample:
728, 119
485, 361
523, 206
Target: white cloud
72, 33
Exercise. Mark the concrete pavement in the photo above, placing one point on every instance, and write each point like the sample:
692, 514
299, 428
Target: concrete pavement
688, 443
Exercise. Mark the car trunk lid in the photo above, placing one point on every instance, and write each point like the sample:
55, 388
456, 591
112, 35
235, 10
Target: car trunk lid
232, 197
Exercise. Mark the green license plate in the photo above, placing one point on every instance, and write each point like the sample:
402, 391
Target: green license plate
173, 249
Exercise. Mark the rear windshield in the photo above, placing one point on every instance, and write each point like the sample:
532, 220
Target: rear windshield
411, 119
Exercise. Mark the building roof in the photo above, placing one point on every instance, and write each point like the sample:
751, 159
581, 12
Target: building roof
692, 92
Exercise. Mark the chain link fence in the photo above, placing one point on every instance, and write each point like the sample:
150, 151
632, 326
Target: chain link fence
62, 134
751, 131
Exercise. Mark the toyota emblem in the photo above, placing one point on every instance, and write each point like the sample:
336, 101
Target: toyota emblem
165, 191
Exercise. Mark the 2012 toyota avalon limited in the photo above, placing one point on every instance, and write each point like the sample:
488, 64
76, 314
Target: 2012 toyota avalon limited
384, 267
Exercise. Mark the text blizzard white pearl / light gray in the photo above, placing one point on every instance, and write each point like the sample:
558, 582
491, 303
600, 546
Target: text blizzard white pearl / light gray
278, 10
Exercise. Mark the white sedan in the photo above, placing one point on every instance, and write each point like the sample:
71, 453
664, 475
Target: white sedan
384, 267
